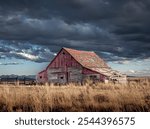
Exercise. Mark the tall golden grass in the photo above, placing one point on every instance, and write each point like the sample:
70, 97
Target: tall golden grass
134, 96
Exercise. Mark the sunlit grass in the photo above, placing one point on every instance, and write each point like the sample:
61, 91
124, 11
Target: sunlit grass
134, 96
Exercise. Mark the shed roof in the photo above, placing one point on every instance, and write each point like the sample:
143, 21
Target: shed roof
88, 59
108, 72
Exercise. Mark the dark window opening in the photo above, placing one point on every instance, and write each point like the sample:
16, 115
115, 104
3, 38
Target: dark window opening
40, 76
61, 77
93, 77
63, 53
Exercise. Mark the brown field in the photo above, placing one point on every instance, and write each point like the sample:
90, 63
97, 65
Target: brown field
134, 96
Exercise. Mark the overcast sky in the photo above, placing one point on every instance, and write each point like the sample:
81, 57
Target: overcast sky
33, 31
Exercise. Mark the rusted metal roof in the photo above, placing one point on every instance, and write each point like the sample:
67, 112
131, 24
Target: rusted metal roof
92, 61
88, 59
108, 72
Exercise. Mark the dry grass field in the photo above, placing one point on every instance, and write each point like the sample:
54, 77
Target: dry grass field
134, 96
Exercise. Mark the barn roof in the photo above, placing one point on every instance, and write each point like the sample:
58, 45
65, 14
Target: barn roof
92, 61
42, 71
88, 59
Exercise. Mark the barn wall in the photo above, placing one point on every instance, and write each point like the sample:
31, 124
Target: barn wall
89, 74
52, 74
64, 60
102, 78
64, 68
41, 77
75, 74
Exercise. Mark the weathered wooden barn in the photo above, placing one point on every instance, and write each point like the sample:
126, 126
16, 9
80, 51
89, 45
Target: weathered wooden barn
71, 65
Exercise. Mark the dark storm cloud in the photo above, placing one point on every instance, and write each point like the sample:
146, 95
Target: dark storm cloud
24, 50
118, 27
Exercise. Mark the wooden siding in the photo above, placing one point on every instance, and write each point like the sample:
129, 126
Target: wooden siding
75, 74
64, 68
92, 75
41, 77
64, 59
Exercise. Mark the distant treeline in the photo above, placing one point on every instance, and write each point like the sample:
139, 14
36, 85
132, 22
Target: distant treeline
27, 80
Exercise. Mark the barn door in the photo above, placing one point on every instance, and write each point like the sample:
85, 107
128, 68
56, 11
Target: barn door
67, 76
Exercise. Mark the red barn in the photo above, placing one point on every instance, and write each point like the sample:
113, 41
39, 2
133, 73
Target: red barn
71, 65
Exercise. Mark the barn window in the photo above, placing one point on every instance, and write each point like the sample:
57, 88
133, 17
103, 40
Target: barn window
93, 77
63, 53
40, 76
61, 77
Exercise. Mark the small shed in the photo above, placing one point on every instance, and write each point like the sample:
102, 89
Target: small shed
71, 65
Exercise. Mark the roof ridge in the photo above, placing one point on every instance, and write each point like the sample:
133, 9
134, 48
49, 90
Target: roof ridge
77, 50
